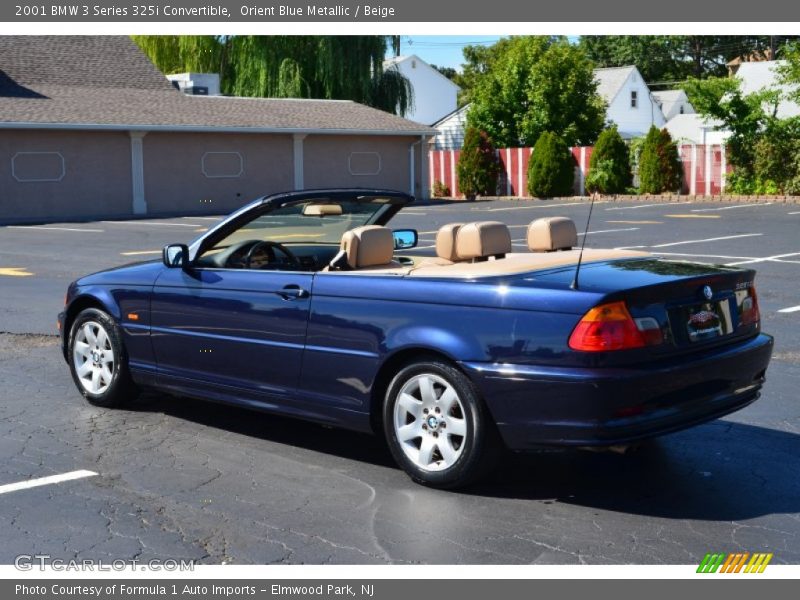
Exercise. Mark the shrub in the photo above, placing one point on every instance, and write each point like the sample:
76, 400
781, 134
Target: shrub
601, 178
440, 190
659, 166
477, 165
551, 170
609, 169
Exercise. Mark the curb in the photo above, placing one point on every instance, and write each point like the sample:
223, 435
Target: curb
666, 198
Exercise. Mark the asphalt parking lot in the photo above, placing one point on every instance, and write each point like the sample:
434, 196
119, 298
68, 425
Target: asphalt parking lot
179, 479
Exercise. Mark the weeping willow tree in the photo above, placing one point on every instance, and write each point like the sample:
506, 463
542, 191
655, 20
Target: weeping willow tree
327, 67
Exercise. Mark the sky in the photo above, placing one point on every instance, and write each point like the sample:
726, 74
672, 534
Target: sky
445, 50
442, 50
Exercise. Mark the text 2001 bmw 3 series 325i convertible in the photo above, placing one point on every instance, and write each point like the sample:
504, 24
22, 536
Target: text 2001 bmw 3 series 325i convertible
304, 304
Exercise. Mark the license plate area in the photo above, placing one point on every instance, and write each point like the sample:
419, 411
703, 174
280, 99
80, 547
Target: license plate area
707, 320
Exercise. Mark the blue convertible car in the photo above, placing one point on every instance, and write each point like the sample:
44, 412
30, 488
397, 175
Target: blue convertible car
304, 304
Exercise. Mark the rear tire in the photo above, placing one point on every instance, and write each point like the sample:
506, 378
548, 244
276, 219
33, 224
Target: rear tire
437, 426
98, 360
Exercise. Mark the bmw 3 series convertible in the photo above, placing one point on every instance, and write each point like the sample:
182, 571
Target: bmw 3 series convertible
306, 304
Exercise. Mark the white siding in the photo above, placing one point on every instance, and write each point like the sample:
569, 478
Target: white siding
450, 131
435, 96
634, 121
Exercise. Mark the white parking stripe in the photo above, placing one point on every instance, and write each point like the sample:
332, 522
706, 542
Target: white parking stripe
791, 309
151, 223
706, 256
765, 259
611, 230
536, 206
716, 239
730, 207
206, 218
635, 207
795, 213
53, 228
32, 483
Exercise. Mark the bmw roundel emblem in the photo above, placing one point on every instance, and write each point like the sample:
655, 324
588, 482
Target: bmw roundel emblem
707, 292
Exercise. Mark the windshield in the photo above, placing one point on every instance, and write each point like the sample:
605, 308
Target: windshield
312, 221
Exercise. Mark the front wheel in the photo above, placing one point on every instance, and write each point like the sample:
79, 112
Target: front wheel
437, 427
98, 361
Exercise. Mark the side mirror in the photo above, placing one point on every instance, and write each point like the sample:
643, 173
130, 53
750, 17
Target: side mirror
405, 238
175, 256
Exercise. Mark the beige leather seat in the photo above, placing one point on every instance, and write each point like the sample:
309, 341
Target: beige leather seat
445, 247
480, 241
367, 248
551, 234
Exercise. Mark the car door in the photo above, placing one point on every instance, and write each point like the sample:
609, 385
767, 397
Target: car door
230, 329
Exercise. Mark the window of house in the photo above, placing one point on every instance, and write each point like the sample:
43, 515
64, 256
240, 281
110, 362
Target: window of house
634, 99
681, 108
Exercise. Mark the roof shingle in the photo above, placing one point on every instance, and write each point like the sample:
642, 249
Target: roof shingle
106, 81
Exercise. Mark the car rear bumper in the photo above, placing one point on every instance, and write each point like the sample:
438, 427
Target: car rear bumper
551, 406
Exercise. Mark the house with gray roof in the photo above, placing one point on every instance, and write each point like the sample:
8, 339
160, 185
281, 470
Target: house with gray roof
631, 105
90, 128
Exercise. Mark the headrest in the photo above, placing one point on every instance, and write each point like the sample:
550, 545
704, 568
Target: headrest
552, 233
482, 239
446, 241
368, 246
322, 210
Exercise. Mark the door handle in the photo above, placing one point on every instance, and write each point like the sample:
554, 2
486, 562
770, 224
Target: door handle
293, 292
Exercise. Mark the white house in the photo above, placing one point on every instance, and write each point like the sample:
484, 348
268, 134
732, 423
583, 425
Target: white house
450, 130
673, 102
757, 76
435, 96
631, 106
691, 128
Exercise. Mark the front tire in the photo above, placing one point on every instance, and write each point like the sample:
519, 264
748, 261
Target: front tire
437, 427
98, 361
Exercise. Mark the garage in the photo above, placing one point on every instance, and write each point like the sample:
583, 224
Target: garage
90, 129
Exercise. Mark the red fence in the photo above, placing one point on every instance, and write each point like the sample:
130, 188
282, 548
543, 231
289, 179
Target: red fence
704, 169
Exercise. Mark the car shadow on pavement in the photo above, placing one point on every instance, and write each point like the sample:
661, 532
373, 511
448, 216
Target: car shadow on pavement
273, 428
720, 471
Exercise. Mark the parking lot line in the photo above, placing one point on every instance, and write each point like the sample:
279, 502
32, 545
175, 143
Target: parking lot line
797, 212
15, 272
791, 309
205, 218
40, 481
636, 207
697, 210
140, 252
535, 206
774, 258
639, 222
715, 239
706, 256
37, 227
683, 216
153, 224
610, 230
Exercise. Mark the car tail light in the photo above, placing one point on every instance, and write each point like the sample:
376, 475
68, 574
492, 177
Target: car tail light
610, 327
748, 309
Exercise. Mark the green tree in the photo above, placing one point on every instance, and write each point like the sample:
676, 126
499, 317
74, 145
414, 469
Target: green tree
551, 169
609, 168
477, 167
675, 57
746, 117
326, 67
659, 166
537, 84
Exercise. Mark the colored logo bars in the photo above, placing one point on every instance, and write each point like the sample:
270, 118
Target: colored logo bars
735, 563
